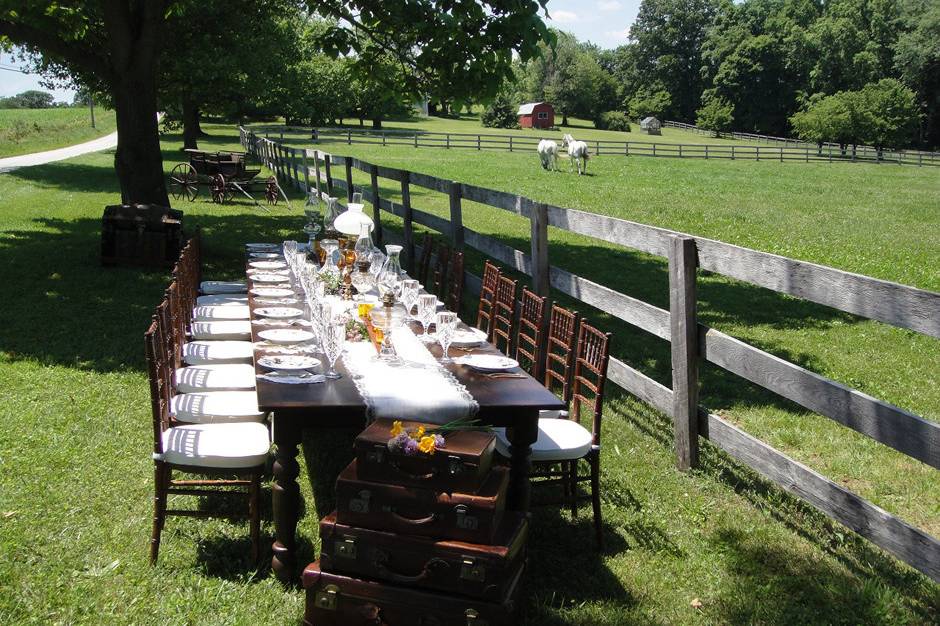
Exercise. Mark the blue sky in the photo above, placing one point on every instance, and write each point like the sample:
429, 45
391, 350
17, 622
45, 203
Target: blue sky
604, 22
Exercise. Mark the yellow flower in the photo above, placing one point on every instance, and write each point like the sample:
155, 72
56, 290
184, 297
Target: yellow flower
419, 433
426, 445
397, 428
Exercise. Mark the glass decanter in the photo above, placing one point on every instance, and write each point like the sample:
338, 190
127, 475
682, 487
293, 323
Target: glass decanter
331, 256
390, 277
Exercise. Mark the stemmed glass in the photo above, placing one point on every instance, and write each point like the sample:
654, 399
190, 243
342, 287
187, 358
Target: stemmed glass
446, 323
335, 335
409, 294
427, 307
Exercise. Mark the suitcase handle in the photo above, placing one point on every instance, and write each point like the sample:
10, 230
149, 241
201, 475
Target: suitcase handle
427, 476
420, 521
381, 565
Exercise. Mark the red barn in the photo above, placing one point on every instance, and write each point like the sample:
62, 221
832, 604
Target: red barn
536, 115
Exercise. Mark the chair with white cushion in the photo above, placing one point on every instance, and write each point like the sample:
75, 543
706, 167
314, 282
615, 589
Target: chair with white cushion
232, 455
216, 407
220, 312
230, 299
216, 287
202, 352
214, 377
564, 439
224, 330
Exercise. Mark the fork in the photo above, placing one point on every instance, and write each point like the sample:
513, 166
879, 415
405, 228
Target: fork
504, 375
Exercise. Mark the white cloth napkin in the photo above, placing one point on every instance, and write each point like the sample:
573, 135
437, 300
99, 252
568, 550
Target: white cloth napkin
415, 388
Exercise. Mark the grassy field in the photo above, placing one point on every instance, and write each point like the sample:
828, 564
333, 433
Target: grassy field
580, 129
714, 546
24, 131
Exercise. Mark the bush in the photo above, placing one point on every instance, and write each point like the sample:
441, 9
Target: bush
613, 120
500, 114
716, 115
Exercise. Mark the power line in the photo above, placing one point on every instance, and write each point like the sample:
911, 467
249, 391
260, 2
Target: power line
13, 69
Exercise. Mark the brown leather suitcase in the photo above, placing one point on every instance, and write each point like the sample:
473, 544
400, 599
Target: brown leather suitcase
476, 570
472, 517
462, 465
336, 600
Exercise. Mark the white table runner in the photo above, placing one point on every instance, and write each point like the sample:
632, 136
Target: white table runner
417, 388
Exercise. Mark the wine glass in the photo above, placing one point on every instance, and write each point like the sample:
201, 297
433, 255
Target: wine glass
427, 307
409, 294
335, 335
446, 323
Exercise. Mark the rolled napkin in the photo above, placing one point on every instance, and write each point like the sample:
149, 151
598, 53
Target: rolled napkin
292, 379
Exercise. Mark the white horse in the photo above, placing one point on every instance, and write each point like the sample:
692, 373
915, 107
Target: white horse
577, 151
548, 153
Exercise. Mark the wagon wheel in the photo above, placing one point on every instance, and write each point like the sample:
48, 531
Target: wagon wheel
184, 182
271, 191
220, 189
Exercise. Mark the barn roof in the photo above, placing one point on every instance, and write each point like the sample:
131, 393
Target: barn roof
526, 109
647, 120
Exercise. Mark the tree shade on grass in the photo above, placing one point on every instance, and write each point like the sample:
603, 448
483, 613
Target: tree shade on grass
714, 546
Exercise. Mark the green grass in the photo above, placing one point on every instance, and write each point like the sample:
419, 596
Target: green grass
76, 474
24, 131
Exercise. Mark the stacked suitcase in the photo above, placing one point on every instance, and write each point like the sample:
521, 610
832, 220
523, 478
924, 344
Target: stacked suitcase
421, 539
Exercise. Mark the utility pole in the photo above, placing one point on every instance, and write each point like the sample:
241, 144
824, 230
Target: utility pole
91, 103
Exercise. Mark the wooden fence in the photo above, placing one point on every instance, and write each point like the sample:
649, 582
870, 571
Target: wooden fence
865, 152
892, 303
527, 143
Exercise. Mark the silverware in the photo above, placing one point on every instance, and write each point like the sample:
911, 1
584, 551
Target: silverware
504, 375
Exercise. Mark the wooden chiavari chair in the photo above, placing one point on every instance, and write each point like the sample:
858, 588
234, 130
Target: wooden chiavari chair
531, 330
424, 261
560, 349
218, 451
437, 281
484, 321
504, 314
454, 300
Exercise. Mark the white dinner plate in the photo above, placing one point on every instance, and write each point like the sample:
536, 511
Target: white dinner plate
468, 338
268, 265
265, 255
254, 272
263, 246
488, 362
272, 292
286, 335
278, 312
267, 278
288, 362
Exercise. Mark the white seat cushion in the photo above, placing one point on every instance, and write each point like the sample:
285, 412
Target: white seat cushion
231, 330
216, 407
215, 377
558, 440
231, 299
222, 446
552, 414
204, 352
223, 312
210, 287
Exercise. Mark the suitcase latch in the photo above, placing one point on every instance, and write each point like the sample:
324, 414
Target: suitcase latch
474, 619
328, 597
471, 569
360, 504
467, 522
454, 464
377, 454
345, 548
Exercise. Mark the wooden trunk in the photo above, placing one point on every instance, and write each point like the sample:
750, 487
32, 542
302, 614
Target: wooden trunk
476, 570
462, 465
336, 600
426, 512
141, 234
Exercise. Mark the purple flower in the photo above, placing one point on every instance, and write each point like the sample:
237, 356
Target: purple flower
439, 441
411, 447
397, 444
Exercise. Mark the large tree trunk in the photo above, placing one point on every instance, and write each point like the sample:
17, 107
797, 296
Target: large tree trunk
376, 122
191, 130
138, 160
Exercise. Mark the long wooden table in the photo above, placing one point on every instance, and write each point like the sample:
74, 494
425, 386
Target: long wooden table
511, 402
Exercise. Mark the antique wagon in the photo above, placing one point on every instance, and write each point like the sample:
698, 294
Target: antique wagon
223, 173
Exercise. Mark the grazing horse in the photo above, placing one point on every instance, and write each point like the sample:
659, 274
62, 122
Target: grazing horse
577, 151
548, 153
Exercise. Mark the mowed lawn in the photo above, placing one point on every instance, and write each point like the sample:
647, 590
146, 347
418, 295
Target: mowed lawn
717, 545
24, 131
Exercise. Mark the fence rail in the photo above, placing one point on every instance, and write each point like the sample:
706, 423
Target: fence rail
792, 152
892, 303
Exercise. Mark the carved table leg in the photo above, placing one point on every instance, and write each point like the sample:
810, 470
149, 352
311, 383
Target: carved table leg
521, 437
286, 499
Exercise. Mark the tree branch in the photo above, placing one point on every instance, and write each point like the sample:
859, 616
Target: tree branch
46, 41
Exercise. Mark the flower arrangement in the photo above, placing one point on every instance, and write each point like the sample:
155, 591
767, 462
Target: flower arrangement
422, 440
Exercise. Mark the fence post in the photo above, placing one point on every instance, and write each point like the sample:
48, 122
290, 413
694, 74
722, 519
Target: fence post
540, 275
597, 146
478, 142
706, 152
296, 163
510, 143
329, 175
303, 156
416, 139
349, 184
447, 145
781, 154
456, 217
348, 137
316, 173
684, 343
282, 134
732, 152
376, 204
408, 227
680, 150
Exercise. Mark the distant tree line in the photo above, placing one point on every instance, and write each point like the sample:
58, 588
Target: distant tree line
822, 70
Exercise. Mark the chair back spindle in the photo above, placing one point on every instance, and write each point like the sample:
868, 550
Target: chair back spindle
561, 349
454, 299
590, 375
504, 313
529, 344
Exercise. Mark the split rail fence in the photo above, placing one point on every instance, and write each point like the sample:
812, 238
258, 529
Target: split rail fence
891, 303
527, 143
